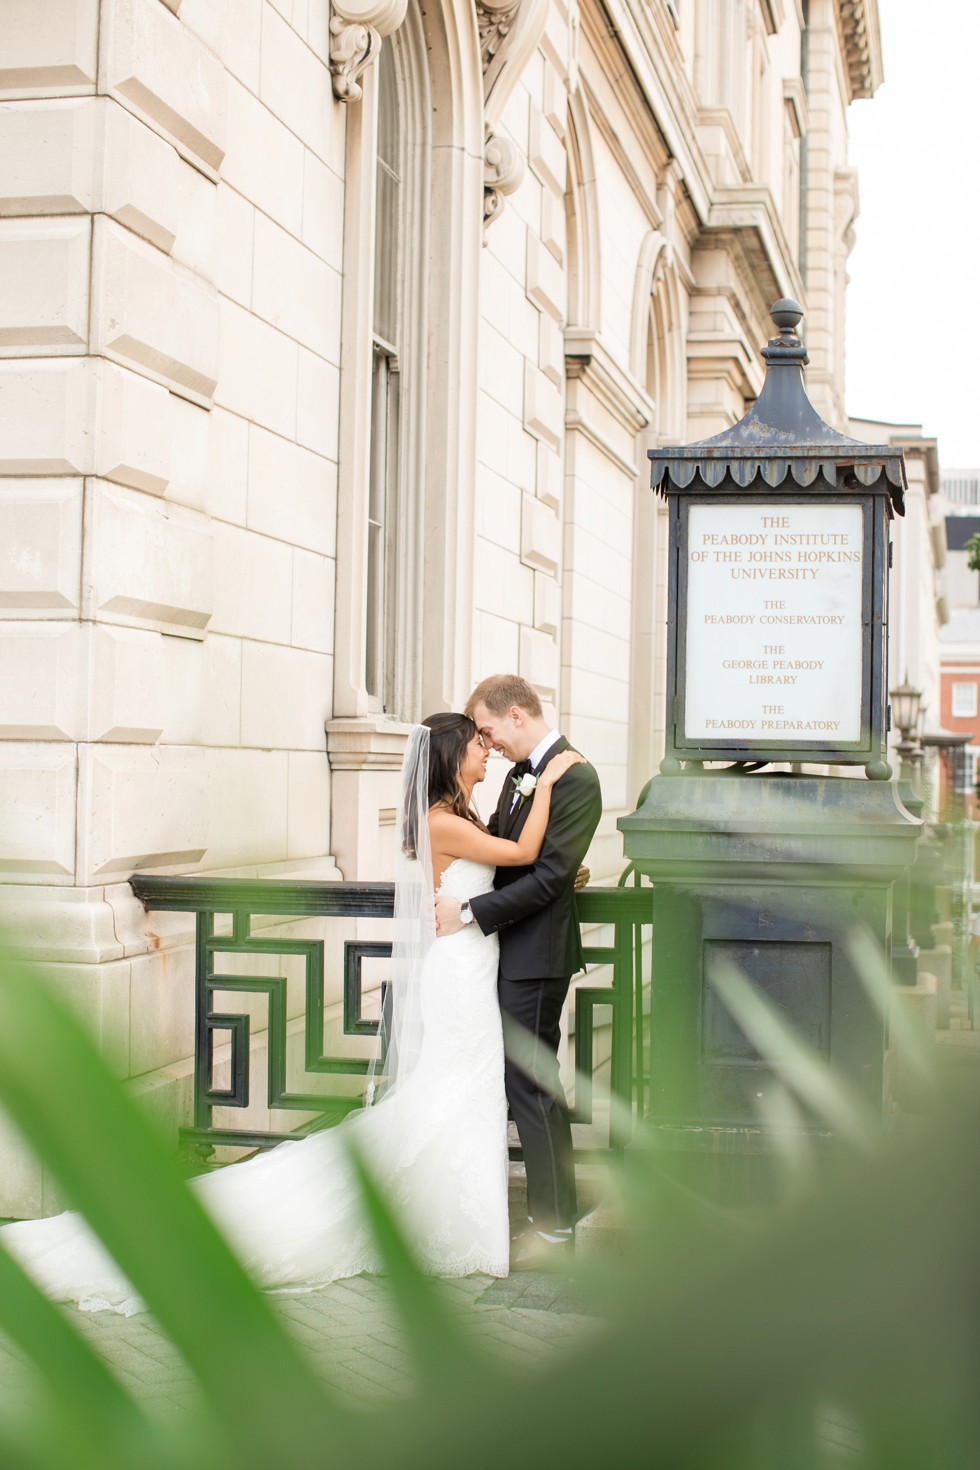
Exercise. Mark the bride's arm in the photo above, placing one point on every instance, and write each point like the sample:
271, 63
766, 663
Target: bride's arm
459, 838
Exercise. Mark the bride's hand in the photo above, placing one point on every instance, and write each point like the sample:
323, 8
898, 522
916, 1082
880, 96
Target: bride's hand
558, 765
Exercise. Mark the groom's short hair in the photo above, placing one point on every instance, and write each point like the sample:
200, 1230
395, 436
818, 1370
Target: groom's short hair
501, 691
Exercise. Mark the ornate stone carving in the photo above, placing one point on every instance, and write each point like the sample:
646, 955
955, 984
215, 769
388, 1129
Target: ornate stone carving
353, 48
357, 27
503, 169
495, 18
509, 32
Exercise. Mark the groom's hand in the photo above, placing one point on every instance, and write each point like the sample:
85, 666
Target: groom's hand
447, 916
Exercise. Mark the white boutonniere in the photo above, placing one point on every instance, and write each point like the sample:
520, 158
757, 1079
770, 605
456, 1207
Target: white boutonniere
524, 785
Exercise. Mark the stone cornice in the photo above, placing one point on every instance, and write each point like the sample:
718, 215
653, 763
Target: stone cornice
373, 744
748, 212
610, 384
721, 117
861, 40
915, 446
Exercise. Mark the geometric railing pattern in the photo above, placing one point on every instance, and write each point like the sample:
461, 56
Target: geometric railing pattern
623, 911
626, 911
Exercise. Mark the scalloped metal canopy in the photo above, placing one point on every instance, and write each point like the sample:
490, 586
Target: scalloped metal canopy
782, 437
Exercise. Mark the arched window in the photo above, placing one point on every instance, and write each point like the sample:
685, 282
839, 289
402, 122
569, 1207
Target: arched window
383, 386
659, 358
413, 227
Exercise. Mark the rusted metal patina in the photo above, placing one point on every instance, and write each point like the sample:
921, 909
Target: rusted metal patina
782, 437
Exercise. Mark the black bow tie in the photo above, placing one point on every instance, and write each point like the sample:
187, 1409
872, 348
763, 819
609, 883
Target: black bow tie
522, 768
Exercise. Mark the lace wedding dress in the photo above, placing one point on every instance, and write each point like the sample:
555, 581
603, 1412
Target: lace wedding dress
437, 1147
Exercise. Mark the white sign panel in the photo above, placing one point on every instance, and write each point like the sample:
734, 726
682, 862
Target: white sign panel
774, 633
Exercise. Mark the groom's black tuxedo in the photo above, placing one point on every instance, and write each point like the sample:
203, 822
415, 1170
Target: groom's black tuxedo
532, 910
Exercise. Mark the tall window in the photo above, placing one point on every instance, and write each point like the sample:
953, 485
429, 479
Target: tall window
386, 391
383, 496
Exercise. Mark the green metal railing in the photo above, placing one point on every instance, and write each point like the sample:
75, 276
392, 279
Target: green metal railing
624, 910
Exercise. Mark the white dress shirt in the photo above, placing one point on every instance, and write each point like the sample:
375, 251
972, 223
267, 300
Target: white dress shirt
537, 756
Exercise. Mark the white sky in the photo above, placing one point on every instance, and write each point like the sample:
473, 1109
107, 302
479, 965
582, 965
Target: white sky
913, 303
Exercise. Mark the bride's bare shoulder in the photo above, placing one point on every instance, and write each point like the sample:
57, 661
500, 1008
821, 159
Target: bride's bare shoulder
442, 819
454, 836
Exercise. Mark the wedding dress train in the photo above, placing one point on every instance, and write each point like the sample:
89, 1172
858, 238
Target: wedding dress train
437, 1147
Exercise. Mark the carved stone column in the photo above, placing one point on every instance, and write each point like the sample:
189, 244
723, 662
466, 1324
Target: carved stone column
357, 27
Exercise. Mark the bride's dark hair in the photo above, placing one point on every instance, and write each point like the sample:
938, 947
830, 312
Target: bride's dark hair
449, 735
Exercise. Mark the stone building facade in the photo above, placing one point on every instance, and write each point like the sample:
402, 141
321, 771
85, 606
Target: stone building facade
919, 592
332, 341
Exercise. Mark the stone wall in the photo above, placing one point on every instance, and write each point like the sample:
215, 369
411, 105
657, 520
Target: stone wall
170, 189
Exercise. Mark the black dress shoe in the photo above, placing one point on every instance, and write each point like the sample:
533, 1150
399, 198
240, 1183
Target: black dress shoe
542, 1250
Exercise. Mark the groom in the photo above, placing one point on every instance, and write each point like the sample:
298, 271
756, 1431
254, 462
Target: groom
532, 910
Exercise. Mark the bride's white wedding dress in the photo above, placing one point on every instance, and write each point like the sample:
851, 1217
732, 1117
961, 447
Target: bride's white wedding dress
437, 1147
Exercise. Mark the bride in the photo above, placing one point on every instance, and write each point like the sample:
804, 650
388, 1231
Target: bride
435, 1138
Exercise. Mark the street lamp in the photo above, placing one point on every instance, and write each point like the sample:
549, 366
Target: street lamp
906, 703
906, 707
906, 700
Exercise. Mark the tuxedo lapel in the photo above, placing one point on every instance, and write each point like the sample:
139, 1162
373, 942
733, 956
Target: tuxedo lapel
510, 813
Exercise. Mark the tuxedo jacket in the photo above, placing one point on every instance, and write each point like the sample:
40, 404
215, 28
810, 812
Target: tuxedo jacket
532, 909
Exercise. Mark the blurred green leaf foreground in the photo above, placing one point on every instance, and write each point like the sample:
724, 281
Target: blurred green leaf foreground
724, 1339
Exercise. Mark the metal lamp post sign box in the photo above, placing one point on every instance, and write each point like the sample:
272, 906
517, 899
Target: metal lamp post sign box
778, 582
777, 616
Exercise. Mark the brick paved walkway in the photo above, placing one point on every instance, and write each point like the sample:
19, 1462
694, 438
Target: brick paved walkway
350, 1331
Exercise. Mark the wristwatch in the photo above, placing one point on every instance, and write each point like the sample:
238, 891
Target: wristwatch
465, 913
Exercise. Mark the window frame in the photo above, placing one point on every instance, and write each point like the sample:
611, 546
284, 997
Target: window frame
968, 687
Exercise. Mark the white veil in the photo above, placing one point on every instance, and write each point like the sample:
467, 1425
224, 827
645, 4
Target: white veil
400, 1030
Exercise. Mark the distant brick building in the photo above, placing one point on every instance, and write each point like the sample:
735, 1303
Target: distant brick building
960, 642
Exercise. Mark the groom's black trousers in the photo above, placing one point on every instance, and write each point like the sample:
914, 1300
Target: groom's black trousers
536, 1099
